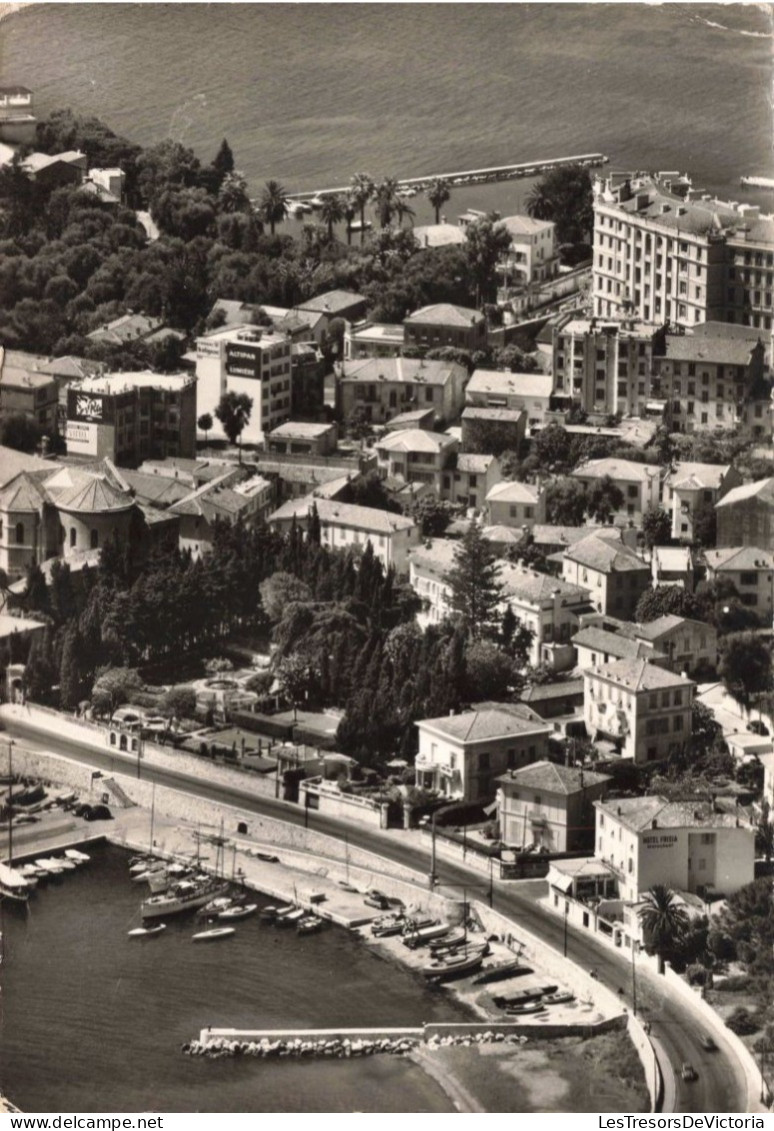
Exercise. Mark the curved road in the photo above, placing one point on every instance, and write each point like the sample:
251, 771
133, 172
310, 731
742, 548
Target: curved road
720, 1086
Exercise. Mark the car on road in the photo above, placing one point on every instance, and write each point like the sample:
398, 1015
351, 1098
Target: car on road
758, 727
688, 1072
707, 1043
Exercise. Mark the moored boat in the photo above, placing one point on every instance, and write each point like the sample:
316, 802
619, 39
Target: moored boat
213, 933
238, 912
413, 938
215, 906
454, 968
527, 1007
146, 932
290, 918
77, 856
559, 999
187, 895
309, 925
51, 865
13, 885
30, 873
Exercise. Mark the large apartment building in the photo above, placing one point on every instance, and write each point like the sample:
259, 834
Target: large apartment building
664, 252
604, 366
250, 360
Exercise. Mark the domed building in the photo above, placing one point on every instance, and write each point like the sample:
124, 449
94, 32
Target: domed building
70, 512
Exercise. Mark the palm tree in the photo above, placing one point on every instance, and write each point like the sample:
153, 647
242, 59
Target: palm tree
332, 212
273, 208
539, 203
233, 195
349, 209
403, 209
437, 193
386, 198
663, 921
361, 191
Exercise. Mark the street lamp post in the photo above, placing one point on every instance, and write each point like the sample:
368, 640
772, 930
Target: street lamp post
566, 914
432, 854
491, 881
763, 1078
634, 977
10, 801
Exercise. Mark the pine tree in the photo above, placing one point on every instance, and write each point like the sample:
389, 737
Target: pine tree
70, 678
476, 591
36, 593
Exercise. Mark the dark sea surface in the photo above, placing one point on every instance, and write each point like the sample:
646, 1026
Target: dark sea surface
309, 94
94, 1021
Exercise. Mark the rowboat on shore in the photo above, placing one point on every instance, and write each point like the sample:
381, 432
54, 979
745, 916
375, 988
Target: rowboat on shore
500, 973
238, 912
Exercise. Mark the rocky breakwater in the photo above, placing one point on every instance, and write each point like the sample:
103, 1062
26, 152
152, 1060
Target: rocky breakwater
216, 1048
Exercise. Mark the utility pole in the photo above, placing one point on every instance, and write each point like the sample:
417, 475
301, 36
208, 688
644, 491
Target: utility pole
491, 881
10, 802
634, 978
432, 854
566, 914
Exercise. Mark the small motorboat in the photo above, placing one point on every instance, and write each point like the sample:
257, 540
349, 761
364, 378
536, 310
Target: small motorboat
30, 873
146, 932
238, 912
212, 934
65, 864
559, 999
142, 864
216, 906
290, 918
500, 973
78, 857
50, 865
387, 925
448, 942
309, 925
521, 997
453, 968
268, 913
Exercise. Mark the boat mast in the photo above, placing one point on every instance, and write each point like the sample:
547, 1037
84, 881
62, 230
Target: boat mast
10, 803
153, 814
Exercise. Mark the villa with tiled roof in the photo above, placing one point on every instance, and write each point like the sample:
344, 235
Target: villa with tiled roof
462, 755
613, 573
383, 387
550, 806
643, 709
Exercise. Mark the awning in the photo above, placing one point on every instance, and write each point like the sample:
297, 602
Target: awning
655, 406
490, 810
559, 881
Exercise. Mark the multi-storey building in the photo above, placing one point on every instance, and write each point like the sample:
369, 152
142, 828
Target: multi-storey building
462, 756
245, 360
612, 572
688, 846
550, 806
416, 456
516, 504
25, 393
444, 324
381, 388
495, 388
745, 516
532, 256
639, 482
343, 526
604, 366
644, 709
131, 417
689, 487
372, 339
751, 571
663, 252
714, 379
17, 121
470, 478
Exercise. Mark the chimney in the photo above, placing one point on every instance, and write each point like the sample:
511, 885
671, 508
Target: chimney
654, 823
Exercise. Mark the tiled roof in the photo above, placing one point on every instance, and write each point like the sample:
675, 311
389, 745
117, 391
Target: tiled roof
438, 235
673, 559
478, 465
525, 225
485, 412
22, 493
332, 302
642, 813
477, 726
95, 496
445, 314
739, 557
707, 475
604, 553
513, 492
532, 586
611, 643
639, 675
547, 535
541, 692
415, 440
619, 470
13, 463
294, 428
160, 490
503, 383
504, 535
436, 556
333, 513
762, 489
715, 349
554, 778
404, 370
661, 626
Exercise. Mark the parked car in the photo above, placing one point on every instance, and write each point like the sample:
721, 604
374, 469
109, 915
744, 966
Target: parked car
707, 1043
688, 1072
97, 813
757, 727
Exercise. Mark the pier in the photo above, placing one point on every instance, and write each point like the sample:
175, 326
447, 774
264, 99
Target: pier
477, 176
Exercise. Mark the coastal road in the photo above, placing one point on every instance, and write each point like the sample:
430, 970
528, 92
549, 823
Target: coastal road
676, 1030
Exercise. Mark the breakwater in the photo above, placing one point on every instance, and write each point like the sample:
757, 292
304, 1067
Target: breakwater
478, 176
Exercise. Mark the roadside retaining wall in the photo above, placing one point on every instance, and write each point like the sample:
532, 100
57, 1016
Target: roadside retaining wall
714, 1021
19, 719
331, 802
581, 983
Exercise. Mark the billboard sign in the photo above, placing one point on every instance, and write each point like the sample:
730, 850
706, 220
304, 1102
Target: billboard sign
242, 360
82, 439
